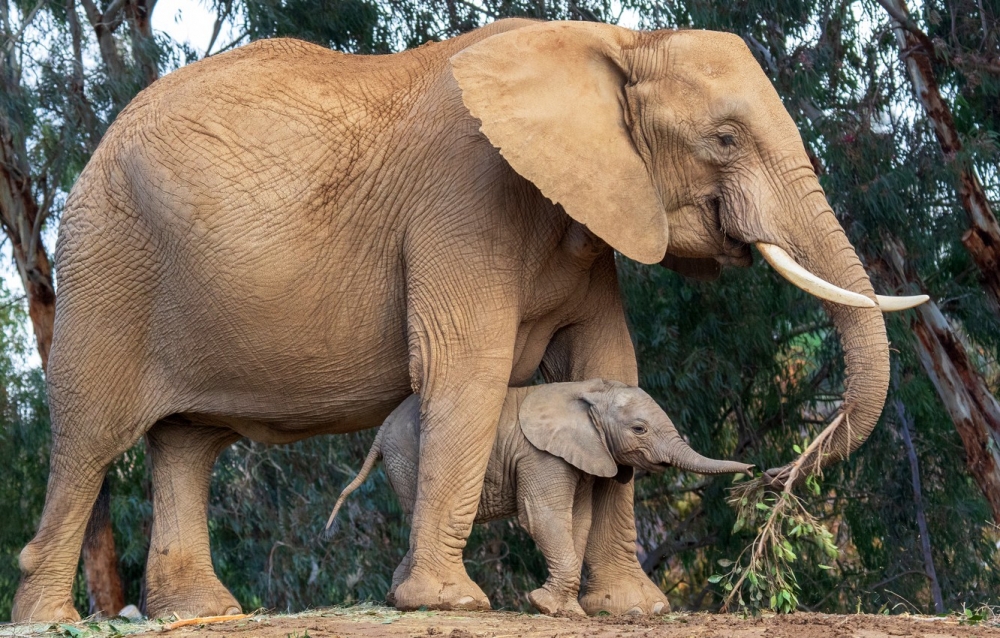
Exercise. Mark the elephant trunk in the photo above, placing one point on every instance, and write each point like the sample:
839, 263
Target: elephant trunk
821, 246
681, 455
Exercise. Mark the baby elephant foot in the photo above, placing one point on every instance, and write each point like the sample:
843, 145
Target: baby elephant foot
453, 590
551, 604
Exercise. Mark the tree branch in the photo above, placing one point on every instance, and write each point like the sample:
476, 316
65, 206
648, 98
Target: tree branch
217, 27
25, 23
236, 41
904, 21
673, 545
904, 420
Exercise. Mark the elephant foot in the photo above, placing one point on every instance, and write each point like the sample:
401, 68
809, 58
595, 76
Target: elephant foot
453, 590
627, 594
34, 608
553, 604
199, 601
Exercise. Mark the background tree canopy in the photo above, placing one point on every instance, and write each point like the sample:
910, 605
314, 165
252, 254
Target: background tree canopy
748, 366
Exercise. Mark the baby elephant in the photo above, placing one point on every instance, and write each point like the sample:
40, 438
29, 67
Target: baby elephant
551, 442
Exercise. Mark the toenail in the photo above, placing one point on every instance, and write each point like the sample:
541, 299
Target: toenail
635, 611
657, 608
465, 600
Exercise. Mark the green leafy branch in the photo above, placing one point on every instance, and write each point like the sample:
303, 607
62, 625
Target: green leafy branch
762, 575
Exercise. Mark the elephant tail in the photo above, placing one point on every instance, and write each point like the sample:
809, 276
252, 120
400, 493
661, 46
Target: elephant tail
373, 457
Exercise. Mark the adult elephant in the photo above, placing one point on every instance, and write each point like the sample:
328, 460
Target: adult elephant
284, 241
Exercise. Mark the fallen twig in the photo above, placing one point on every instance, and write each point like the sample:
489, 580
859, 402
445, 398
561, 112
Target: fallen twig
202, 620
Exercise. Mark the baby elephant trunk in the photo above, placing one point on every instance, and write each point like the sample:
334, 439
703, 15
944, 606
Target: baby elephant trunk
679, 454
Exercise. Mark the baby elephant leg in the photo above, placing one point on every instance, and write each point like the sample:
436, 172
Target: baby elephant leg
545, 509
582, 513
398, 576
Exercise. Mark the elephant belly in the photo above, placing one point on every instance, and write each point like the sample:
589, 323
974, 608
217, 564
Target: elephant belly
279, 343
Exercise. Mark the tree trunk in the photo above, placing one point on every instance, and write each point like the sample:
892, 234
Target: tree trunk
973, 409
904, 420
140, 13
20, 215
982, 239
100, 560
962, 389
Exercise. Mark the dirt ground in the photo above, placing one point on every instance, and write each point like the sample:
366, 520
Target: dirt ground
367, 621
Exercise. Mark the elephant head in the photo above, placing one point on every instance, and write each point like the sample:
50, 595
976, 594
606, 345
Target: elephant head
674, 147
599, 425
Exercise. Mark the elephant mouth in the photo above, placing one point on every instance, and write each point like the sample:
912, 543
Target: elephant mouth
735, 253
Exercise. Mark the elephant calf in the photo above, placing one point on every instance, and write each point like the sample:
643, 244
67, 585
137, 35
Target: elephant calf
551, 442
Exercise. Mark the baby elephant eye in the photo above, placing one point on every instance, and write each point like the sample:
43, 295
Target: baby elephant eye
639, 429
727, 140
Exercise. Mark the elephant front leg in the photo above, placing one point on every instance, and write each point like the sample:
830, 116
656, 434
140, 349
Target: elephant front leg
458, 425
179, 575
599, 346
460, 364
616, 583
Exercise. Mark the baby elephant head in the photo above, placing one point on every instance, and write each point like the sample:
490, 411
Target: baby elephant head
598, 425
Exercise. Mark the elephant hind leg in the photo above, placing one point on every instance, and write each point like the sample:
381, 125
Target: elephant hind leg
79, 460
179, 575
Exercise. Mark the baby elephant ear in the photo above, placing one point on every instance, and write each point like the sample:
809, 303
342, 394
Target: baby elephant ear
555, 418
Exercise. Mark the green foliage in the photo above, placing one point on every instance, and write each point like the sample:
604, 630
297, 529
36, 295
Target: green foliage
267, 511
357, 26
764, 571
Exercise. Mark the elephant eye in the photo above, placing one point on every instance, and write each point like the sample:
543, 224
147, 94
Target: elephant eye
727, 140
638, 428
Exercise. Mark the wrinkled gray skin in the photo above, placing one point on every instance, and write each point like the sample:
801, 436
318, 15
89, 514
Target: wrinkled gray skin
283, 241
552, 441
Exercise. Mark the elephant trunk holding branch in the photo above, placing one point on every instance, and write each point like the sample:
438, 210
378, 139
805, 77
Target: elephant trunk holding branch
284, 241
552, 441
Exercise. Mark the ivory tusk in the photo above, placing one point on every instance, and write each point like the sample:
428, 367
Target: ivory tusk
799, 276
894, 304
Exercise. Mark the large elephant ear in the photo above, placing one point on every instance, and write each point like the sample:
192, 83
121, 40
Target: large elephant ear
555, 417
551, 97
